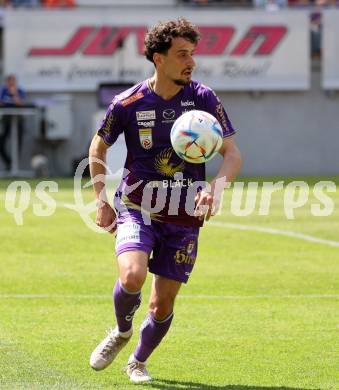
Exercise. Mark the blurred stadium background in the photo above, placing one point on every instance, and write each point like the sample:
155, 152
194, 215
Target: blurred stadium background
275, 67
263, 299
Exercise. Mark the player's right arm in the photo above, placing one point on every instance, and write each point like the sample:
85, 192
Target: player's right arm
109, 131
97, 163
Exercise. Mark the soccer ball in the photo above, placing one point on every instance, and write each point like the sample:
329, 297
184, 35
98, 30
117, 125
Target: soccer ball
196, 136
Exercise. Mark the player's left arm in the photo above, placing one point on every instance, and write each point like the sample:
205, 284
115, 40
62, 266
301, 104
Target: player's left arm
231, 162
207, 203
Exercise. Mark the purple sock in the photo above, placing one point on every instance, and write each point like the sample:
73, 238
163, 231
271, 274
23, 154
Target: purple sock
151, 333
125, 304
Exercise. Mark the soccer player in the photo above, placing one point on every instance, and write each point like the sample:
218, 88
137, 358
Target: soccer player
145, 114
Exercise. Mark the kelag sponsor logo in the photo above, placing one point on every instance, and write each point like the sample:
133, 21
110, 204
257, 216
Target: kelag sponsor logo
187, 103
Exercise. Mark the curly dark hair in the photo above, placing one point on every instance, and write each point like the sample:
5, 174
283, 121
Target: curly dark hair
159, 38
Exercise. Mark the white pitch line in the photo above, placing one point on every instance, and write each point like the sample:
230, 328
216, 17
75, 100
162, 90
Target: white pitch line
279, 232
184, 296
261, 296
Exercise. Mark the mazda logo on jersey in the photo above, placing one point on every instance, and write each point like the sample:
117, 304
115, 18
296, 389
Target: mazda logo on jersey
168, 114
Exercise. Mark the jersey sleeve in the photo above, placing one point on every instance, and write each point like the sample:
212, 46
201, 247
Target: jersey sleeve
112, 125
213, 105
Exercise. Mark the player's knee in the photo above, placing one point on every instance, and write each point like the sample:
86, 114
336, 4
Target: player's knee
132, 280
161, 309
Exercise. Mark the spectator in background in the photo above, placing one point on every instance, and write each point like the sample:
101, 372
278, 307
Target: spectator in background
11, 95
316, 33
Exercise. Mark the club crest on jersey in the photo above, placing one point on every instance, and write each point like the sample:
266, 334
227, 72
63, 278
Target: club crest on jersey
145, 136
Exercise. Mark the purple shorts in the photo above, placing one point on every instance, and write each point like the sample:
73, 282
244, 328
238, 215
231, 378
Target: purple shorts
174, 246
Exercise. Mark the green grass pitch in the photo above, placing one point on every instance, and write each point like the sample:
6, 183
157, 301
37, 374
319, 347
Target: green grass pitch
260, 311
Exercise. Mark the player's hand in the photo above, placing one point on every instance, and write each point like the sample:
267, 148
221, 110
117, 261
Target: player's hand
203, 205
106, 217
207, 203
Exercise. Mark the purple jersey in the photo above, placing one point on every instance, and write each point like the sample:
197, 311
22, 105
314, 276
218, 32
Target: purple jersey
146, 120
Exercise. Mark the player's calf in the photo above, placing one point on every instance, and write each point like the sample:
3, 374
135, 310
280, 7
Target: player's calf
126, 304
